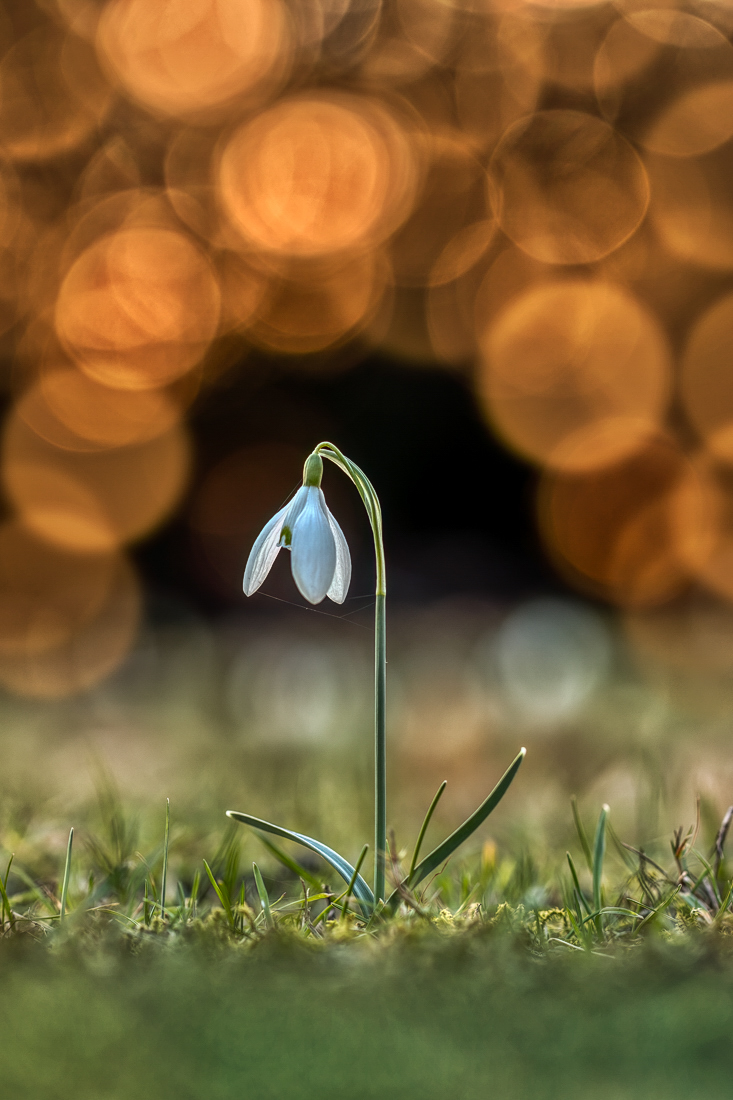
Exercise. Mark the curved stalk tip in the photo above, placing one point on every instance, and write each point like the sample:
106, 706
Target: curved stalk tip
374, 512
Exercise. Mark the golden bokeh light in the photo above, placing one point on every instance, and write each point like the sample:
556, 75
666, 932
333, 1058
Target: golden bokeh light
575, 374
692, 206
70, 410
184, 57
499, 78
557, 45
138, 308
92, 501
92, 650
665, 79
430, 26
697, 122
316, 312
706, 379
46, 593
534, 194
566, 187
318, 174
613, 532
453, 193
464, 249
708, 544
244, 290
53, 95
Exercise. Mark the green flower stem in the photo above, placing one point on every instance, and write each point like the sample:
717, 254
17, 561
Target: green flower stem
374, 511
380, 743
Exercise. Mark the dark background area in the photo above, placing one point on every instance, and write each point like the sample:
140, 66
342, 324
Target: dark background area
458, 507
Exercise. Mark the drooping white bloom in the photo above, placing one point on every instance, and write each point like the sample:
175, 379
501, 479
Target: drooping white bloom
321, 562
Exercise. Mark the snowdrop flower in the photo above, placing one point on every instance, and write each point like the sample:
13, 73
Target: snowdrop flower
321, 562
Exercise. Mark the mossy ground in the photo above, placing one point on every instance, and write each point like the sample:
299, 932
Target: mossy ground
499, 979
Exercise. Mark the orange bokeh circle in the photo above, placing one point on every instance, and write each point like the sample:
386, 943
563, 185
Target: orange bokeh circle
566, 187
710, 555
46, 593
92, 651
183, 57
692, 206
706, 379
621, 533
665, 79
138, 308
92, 502
311, 314
575, 374
70, 410
53, 95
317, 174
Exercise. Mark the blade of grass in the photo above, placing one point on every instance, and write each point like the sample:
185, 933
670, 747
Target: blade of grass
580, 931
424, 826
292, 864
724, 905
195, 886
709, 874
42, 898
225, 902
612, 909
352, 880
576, 883
581, 833
165, 856
599, 851
264, 897
659, 909
463, 832
339, 864
67, 875
622, 849
4, 893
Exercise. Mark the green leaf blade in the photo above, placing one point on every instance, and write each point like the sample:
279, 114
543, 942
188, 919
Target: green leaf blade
464, 831
342, 866
599, 851
264, 896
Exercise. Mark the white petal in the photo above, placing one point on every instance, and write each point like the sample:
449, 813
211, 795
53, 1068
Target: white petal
296, 506
314, 548
342, 576
263, 553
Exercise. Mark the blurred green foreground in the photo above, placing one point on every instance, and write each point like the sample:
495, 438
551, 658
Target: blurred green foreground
466, 1018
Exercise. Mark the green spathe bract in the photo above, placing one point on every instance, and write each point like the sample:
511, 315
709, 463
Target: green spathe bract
326, 571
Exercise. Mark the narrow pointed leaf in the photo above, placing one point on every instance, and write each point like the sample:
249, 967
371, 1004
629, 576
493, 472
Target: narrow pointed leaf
599, 851
67, 875
166, 839
463, 832
339, 864
581, 833
264, 896
352, 880
424, 826
4, 895
576, 884
291, 864
225, 903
